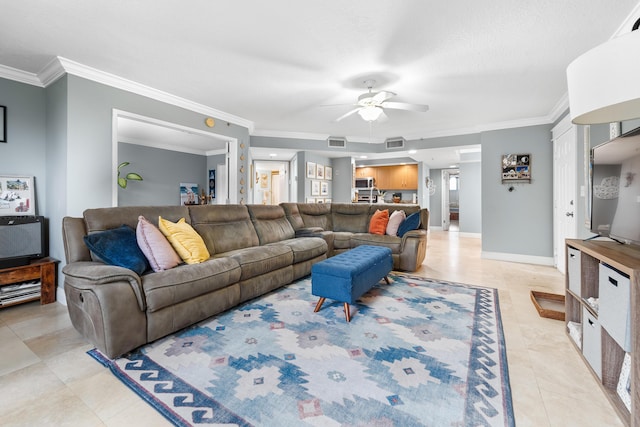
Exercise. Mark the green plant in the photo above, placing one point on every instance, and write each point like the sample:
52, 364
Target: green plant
122, 182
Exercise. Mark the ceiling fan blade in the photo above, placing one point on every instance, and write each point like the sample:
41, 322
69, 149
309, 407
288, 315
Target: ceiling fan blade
382, 96
383, 118
404, 106
348, 114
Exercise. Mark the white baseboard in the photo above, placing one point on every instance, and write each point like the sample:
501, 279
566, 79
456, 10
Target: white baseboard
60, 296
527, 259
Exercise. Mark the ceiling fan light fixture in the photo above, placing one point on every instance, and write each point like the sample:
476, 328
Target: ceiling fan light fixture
370, 113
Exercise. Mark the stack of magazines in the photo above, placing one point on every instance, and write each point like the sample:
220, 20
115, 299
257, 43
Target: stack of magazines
11, 294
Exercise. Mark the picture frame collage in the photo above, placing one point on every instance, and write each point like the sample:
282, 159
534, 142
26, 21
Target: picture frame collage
320, 176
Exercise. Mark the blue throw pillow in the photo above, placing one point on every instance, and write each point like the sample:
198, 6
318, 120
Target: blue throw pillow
118, 246
412, 222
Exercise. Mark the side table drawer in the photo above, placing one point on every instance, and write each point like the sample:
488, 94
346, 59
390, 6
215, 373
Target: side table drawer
573, 271
615, 305
592, 341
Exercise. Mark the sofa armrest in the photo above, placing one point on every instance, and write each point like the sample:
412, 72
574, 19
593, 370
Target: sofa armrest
413, 249
89, 274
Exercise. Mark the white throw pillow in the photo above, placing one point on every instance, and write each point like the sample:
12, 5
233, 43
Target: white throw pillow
396, 218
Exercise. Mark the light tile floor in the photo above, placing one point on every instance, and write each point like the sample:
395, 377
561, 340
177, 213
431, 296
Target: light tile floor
46, 378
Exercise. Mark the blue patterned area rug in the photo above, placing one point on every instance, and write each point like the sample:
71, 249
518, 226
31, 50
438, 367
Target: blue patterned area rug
418, 352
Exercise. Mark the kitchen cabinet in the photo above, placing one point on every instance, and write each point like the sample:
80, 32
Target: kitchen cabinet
399, 177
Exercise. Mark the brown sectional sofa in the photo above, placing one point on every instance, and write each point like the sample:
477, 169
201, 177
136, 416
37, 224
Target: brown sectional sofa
345, 226
254, 249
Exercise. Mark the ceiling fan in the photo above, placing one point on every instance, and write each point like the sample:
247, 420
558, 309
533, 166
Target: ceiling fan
371, 105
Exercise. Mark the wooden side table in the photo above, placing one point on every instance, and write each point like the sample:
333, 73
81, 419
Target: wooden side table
43, 270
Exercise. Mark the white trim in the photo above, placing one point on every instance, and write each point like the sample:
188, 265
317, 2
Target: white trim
60, 296
14, 74
58, 66
527, 259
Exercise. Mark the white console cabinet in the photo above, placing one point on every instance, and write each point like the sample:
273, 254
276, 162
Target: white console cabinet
603, 303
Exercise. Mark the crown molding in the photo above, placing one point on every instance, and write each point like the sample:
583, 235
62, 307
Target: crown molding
561, 107
21, 76
80, 70
60, 66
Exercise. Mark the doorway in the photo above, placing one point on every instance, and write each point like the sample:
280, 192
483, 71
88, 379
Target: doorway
451, 200
270, 182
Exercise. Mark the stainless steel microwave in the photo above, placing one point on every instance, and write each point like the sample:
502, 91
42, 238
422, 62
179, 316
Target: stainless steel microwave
365, 182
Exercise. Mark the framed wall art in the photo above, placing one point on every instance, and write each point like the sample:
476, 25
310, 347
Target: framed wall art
324, 188
311, 170
516, 168
17, 196
328, 173
188, 193
320, 172
315, 188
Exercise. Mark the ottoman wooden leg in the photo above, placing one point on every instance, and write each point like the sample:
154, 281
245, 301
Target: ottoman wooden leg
347, 312
386, 279
319, 304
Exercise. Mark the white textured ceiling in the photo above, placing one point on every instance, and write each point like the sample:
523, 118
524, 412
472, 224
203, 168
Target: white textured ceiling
478, 65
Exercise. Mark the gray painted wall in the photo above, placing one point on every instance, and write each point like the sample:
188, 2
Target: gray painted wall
162, 172
342, 179
470, 197
520, 221
25, 151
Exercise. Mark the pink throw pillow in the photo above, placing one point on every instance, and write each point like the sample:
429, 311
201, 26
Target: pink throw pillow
155, 246
396, 218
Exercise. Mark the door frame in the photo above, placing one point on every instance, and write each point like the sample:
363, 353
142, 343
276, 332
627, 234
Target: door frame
560, 187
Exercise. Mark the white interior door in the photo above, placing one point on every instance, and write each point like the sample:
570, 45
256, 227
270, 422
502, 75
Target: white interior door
222, 189
446, 220
564, 188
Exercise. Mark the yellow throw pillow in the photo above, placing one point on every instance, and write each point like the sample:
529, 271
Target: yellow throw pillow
185, 240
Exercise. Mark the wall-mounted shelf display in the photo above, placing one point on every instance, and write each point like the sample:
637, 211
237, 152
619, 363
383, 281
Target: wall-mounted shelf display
602, 316
516, 168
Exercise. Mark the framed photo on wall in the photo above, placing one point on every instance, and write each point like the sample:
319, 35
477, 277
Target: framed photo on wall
189, 193
311, 170
320, 172
328, 173
324, 188
17, 196
315, 188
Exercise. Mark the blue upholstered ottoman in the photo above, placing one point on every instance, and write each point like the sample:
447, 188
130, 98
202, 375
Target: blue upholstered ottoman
348, 275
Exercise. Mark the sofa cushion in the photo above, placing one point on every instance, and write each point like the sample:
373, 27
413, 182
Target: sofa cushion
258, 260
342, 239
305, 248
101, 219
155, 246
379, 221
184, 239
350, 217
170, 287
119, 247
224, 228
316, 215
395, 219
270, 223
392, 242
412, 222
